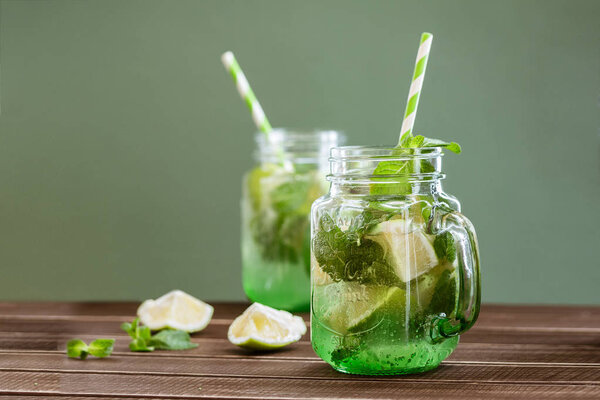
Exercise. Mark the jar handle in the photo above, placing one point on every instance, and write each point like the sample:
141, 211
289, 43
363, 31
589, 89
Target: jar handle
469, 293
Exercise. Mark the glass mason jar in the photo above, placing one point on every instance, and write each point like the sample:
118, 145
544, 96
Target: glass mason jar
395, 265
276, 199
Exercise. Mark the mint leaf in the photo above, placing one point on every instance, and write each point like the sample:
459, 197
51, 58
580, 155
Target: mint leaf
101, 347
140, 335
346, 347
127, 327
135, 330
415, 142
139, 344
428, 142
400, 170
444, 246
279, 207
76, 348
290, 196
397, 172
422, 141
143, 340
342, 353
347, 256
143, 333
443, 300
172, 340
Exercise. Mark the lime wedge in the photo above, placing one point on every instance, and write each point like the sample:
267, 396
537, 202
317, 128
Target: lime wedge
388, 302
176, 310
318, 276
407, 249
424, 287
349, 307
265, 328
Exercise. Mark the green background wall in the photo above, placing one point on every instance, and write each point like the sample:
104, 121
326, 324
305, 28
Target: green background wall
122, 139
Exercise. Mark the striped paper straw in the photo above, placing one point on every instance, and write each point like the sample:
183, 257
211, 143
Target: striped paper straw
246, 93
415, 87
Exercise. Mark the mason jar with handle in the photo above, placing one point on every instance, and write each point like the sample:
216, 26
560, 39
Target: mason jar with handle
276, 199
395, 265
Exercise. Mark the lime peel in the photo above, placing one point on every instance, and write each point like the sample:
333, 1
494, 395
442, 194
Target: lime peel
264, 328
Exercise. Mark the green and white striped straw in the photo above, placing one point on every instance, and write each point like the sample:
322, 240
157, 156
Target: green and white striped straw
245, 91
415, 87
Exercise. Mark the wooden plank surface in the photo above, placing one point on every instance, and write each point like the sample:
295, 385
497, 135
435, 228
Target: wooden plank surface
513, 352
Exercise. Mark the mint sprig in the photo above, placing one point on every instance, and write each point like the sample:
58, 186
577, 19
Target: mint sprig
419, 141
141, 335
168, 339
349, 256
77, 348
400, 170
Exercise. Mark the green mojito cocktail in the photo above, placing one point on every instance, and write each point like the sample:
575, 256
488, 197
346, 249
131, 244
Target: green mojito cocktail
276, 200
391, 253
395, 265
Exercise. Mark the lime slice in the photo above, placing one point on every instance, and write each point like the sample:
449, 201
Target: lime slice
388, 302
407, 249
424, 287
176, 310
256, 185
318, 276
265, 328
349, 307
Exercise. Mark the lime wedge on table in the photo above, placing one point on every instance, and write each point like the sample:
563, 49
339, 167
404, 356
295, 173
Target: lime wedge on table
176, 310
349, 307
265, 328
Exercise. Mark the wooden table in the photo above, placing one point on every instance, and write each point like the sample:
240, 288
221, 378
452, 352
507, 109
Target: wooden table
513, 352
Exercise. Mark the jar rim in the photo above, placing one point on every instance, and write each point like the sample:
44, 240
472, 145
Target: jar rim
302, 135
357, 164
297, 146
382, 153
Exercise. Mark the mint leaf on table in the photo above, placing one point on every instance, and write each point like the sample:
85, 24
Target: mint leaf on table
139, 344
171, 339
77, 348
101, 347
140, 335
143, 340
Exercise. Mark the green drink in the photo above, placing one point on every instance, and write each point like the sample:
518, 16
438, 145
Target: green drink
395, 267
276, 200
